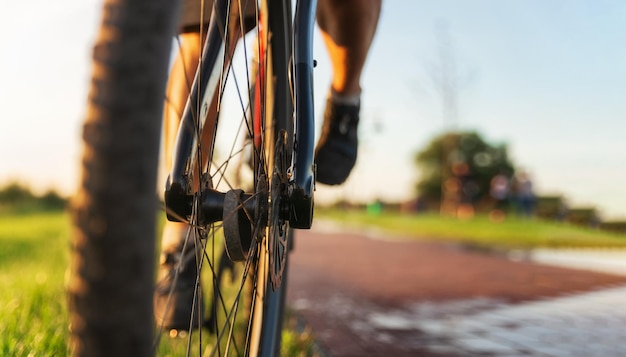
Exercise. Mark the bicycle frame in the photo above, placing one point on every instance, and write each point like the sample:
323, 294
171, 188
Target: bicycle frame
178, 192
304, 171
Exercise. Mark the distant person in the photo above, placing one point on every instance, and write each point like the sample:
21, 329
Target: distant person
524, 195
499, 192
347, 28
467, 189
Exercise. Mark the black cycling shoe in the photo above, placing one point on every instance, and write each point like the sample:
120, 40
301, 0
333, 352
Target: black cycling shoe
175, 290
337, 147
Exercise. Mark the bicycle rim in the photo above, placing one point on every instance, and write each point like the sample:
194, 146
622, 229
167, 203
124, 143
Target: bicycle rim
243, 301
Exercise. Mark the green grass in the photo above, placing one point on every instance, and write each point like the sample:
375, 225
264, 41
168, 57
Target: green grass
297, 341
33, 259
479, 231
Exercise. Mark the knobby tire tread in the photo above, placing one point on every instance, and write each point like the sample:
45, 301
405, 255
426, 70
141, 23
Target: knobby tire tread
114, 210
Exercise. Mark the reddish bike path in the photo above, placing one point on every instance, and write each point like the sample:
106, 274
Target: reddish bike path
341, 281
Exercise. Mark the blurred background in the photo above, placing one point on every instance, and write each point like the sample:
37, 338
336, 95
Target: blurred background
543, 79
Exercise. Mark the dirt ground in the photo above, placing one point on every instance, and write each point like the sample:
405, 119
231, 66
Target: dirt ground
339, 282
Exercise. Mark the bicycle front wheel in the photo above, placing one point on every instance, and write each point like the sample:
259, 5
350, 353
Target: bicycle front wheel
113, 250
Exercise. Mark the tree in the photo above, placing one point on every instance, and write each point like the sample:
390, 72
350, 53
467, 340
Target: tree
17, 196
14, 193
462, 163
52, 200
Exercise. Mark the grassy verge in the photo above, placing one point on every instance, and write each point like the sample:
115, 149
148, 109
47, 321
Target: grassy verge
34, 260
297, 340
511, 233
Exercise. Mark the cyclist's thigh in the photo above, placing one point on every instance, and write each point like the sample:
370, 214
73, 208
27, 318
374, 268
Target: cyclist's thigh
195, 12
191, 14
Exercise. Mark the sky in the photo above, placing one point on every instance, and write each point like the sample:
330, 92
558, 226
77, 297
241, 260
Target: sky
546, 77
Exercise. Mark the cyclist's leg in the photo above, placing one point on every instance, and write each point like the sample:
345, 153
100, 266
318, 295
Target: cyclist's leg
348, 28
174, 296
181, 77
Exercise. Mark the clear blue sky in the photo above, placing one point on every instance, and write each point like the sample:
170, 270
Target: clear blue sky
548, 77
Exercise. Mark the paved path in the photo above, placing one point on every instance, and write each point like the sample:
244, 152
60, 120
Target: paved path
366, 296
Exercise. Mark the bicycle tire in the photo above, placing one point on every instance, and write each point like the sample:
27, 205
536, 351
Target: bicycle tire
115, 208
260, 294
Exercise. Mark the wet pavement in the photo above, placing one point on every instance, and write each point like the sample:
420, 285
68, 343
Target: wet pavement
586, 324
610, 261
590, 324
583, 322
